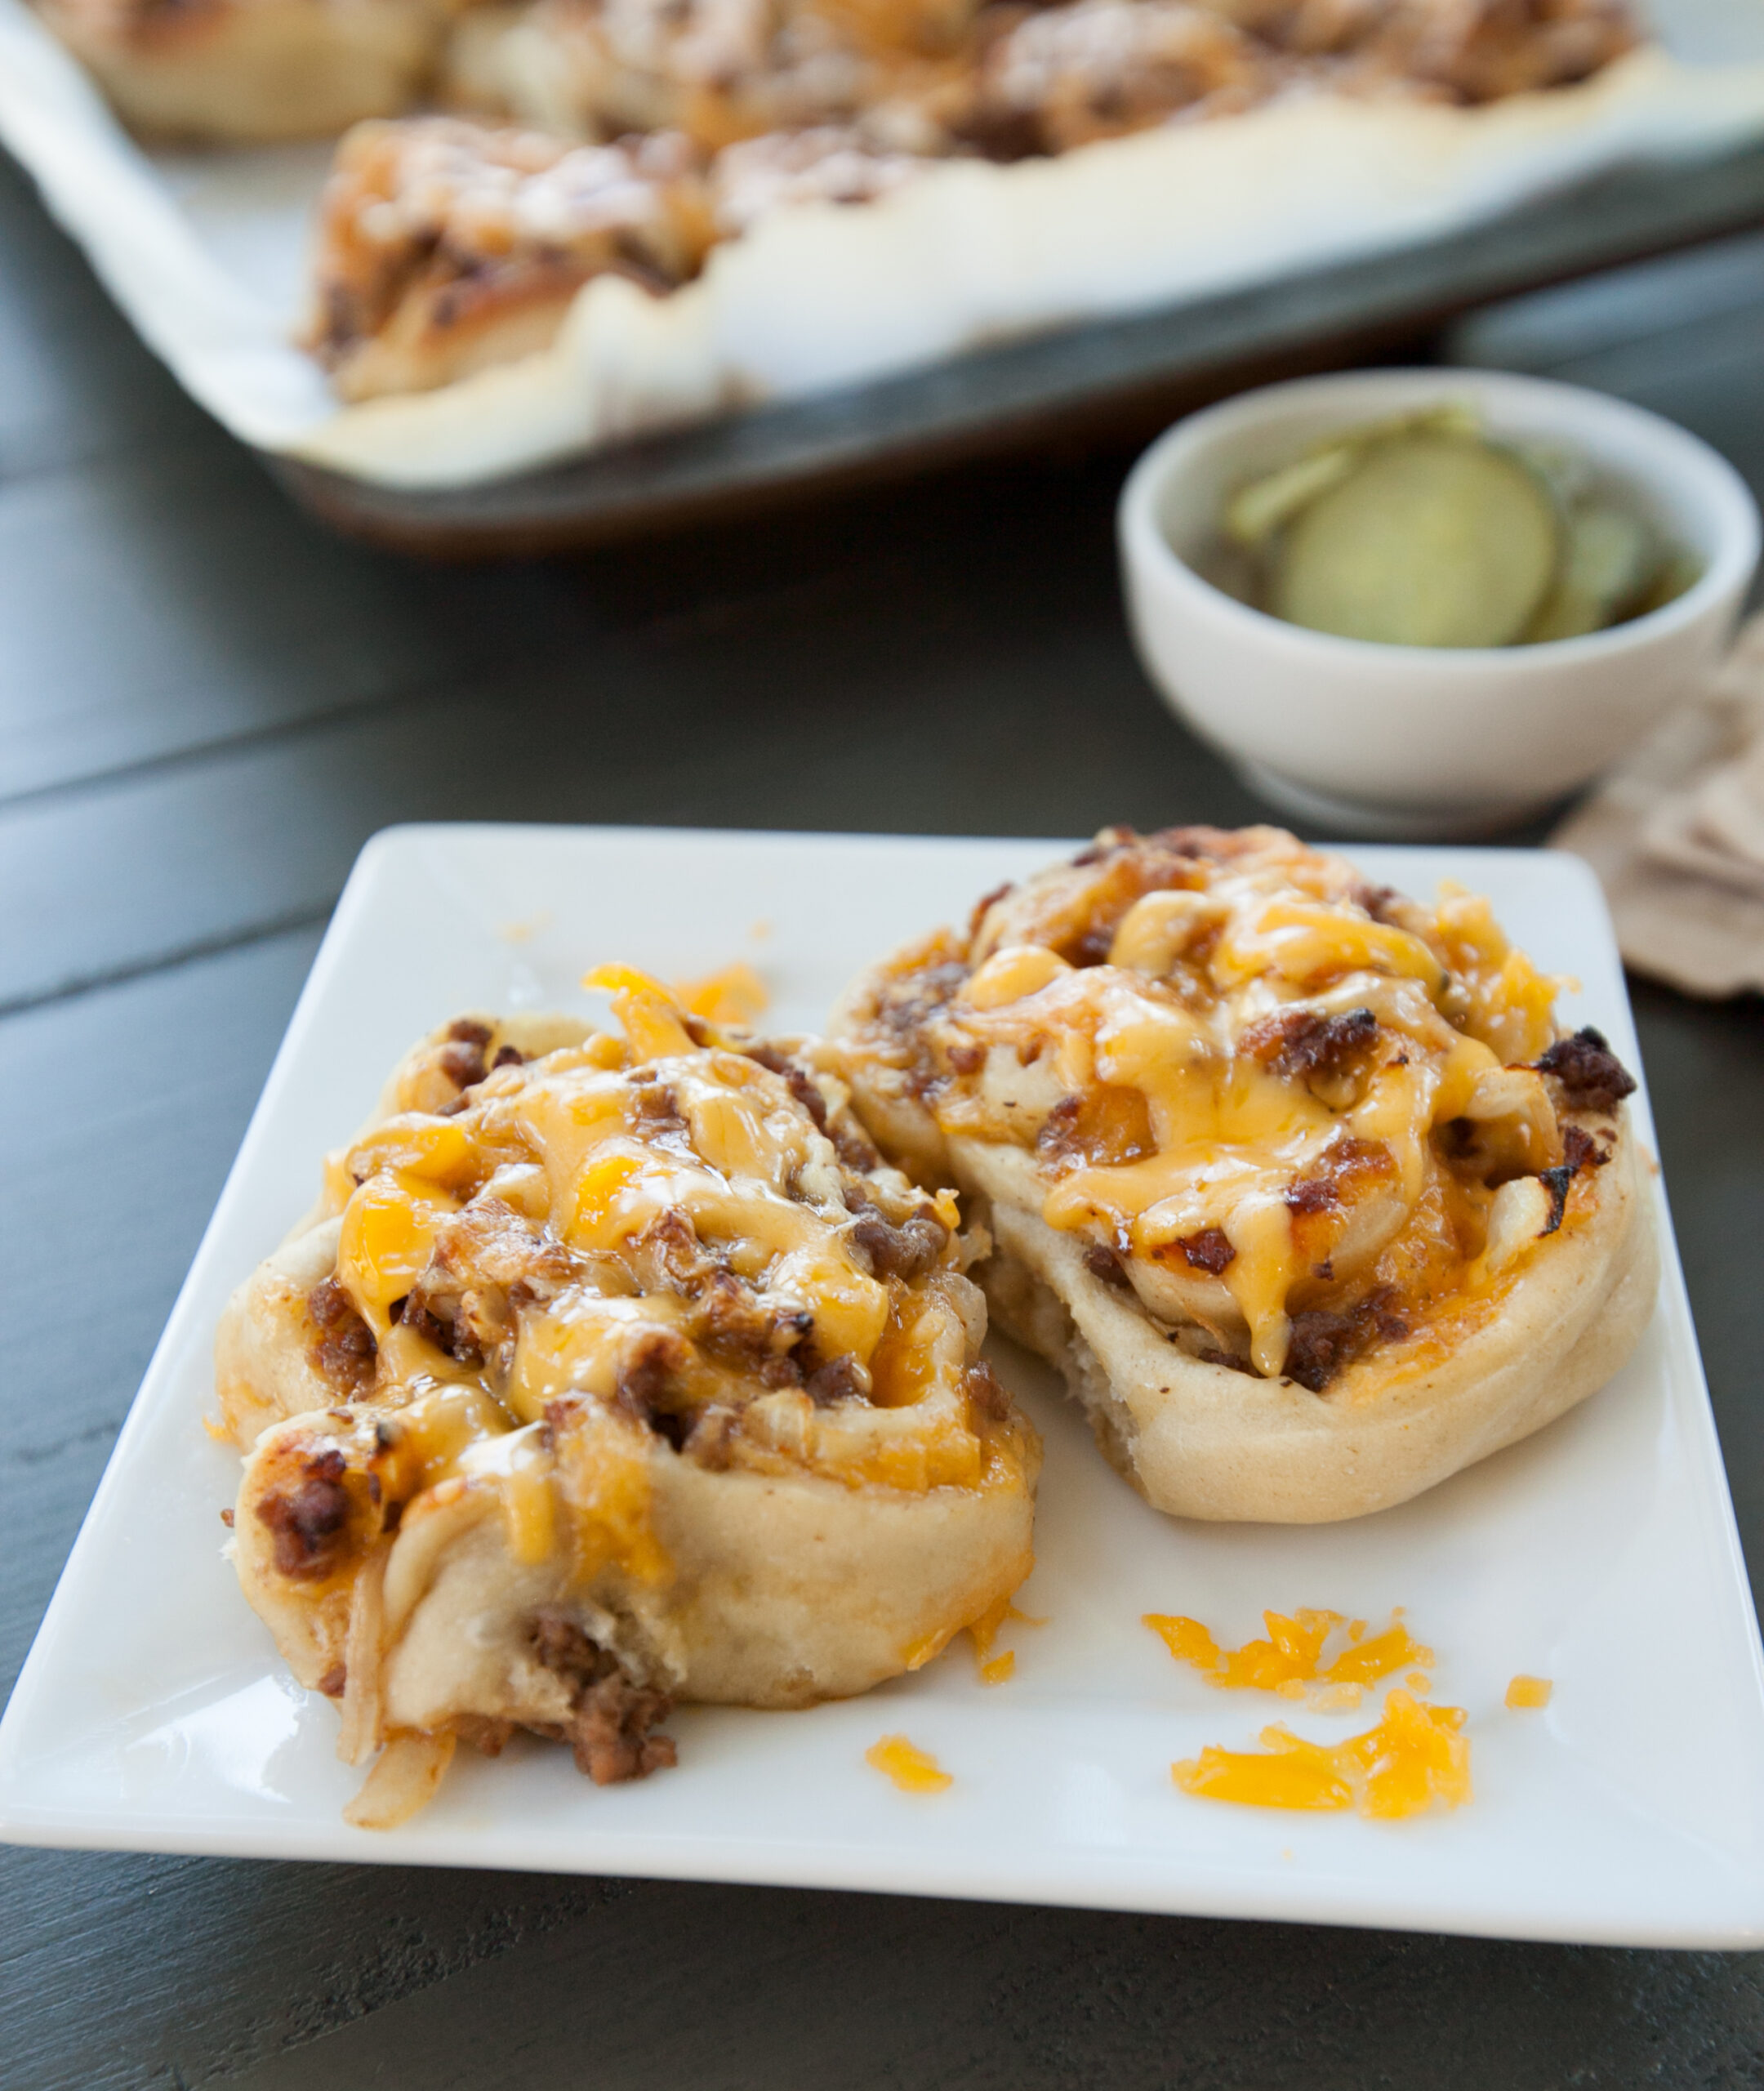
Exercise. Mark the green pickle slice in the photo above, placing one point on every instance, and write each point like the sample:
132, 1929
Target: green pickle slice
1268, 503
1436, 539
1256, 511
1608, 562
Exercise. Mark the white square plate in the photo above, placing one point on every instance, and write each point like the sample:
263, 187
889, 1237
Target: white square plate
154, 1713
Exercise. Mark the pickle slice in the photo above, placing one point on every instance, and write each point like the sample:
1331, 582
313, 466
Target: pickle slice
1435, 540
1608, 561
1267, 504
1256, 511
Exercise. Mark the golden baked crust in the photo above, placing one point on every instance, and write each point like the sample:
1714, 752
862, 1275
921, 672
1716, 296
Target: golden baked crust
1293, 1178
243, 71
445, 246
607, 1375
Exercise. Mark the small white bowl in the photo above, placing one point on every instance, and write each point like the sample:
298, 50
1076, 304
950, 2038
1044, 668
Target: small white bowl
1403, 740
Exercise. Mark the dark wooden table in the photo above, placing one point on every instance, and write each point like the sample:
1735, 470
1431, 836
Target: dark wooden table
206, 706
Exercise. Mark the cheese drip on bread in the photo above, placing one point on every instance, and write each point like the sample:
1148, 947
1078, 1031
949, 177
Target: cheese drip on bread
676, 1240
1299, 1116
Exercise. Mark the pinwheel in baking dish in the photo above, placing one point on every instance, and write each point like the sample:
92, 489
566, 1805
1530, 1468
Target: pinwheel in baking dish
719, 70
1294, 1179
610, 1374
927, 77
447, 246
237, 71
587, 139
934, 77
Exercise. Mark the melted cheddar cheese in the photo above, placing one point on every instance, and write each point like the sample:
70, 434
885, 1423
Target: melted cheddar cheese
913, 1770
1292, 1655
1415, 1758
984, 1633
1300, 1116
678, 1246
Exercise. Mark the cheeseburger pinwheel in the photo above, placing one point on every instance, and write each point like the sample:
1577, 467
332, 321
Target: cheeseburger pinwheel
1297, 1181
608, 1375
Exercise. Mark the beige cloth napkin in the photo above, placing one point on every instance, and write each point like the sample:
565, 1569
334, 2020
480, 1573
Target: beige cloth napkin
1676, 834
